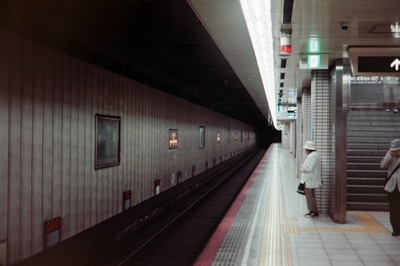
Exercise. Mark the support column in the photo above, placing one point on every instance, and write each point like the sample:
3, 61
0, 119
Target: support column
322, 118
340, 90
321, 133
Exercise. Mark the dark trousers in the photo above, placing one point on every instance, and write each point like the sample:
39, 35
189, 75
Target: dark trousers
394, 208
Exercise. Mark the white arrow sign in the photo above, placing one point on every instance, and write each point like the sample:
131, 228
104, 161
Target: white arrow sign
395, 64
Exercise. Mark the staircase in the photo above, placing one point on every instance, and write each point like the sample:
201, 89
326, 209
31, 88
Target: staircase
369, 133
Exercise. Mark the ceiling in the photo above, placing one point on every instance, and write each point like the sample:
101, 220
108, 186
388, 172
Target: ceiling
200, 50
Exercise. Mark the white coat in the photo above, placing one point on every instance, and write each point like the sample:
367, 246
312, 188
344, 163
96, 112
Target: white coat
311, 170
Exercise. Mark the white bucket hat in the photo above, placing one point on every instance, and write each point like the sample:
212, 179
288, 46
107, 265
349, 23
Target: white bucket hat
395, 145
309, 145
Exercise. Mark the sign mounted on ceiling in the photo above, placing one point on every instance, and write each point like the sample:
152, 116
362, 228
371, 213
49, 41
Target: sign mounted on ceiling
374, 61
375, 64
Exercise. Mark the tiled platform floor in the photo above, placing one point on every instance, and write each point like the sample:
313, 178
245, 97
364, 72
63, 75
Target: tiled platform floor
266, 226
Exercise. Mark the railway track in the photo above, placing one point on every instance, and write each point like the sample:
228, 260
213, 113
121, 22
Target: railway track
178, 236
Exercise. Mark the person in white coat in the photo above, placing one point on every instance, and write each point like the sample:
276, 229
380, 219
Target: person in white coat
311, 177
389, 162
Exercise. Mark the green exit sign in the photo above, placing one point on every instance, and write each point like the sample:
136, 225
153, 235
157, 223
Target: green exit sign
314, 61
314, 45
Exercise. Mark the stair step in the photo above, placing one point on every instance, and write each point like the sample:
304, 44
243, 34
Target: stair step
365, 134
364, 189
366, 174
369, 133
363, 206
361, 153
367, 197
372, 181
363, 166
365, 159
382, 143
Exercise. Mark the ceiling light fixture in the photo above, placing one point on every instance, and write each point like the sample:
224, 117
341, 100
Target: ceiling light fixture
286, 44
257, 14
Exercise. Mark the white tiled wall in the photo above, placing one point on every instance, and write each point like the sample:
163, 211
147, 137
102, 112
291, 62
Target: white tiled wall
320, 126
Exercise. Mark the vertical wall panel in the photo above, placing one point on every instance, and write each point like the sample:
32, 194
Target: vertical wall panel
149, 143
37, 149
14, 202
66, 146
133, 143
101, 196
112, 175
50, 100
133, 133
4, 142
126, 155
94, 177
87, 163
117, 192
115, 179
74, 149
141, 152
107, 173
168, 120
113, 171
26, 146
80, 102
161, 125
156, 145
135, 108
135, 178
152, 144
57, 144
48, 159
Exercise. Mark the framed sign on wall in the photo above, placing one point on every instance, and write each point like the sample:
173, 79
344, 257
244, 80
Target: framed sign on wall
107, 146
173, 138
202, 137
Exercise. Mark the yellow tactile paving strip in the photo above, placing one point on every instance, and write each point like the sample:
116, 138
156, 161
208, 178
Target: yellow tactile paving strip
369, 225
290, 229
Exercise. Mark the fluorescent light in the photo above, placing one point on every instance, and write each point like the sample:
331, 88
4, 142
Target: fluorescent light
257, 14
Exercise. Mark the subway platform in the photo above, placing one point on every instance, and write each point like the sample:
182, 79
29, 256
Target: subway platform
266, 226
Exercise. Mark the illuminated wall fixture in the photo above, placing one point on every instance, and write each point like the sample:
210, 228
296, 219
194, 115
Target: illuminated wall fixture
395, 28
286, 44
257, 14
314, 59
314, 45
